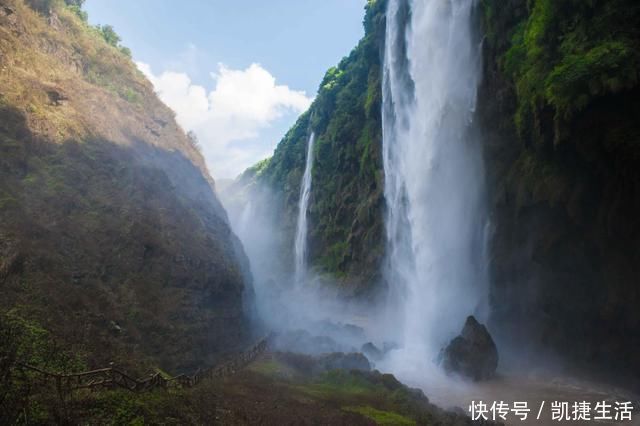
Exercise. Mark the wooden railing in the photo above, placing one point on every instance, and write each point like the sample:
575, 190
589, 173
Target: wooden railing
113, 378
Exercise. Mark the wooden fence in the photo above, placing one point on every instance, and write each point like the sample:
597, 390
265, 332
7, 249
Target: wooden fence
112, 377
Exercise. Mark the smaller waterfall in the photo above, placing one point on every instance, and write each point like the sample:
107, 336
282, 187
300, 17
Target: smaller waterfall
243, 225
300, 247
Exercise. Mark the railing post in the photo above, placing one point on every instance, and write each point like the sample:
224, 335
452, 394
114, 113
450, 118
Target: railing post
112, 374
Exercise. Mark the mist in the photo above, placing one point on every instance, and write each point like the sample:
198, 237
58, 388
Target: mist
303, 308
436, 268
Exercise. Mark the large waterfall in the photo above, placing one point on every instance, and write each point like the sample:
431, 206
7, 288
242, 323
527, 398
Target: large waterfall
300, 245
433, 172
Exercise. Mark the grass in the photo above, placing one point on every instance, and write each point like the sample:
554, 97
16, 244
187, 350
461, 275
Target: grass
270, 368
8, 202
379, 397
565, 57
341, 385
382, 417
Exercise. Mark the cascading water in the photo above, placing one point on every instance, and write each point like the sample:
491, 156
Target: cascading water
300, 245
433, 173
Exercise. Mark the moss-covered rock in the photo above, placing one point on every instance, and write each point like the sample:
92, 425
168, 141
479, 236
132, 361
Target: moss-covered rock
559, 110
559, 106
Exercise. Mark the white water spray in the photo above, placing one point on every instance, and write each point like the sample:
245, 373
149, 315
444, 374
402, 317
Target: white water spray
433, 173
300, 245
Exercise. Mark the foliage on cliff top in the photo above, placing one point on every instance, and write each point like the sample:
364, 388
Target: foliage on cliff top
566, 54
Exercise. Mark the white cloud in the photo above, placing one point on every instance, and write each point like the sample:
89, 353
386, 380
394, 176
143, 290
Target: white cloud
228, 120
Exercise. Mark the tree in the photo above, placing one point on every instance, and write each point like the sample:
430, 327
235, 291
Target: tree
109, 35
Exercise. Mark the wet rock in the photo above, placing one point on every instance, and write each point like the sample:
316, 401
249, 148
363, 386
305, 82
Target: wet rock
389, 346
302, 341
371, 351
344, 331
114, 327
473, 354
342, 361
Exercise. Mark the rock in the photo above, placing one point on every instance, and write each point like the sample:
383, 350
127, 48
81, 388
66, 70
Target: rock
473, 354
342, 361
389, 346
302, 341
56, 97
114, 327
371, 351
6, 11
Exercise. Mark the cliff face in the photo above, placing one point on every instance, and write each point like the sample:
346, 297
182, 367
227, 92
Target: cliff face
111, 236
345, 211
560, 110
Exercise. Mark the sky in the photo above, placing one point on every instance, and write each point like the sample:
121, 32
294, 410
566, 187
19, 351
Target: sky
236, 72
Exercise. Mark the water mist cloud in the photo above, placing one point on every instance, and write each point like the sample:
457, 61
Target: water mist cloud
228, 119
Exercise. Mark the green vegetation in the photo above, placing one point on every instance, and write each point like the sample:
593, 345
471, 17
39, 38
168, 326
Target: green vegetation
268, 367
372, 395
25, 341
566, 54
113, 241
347, 178
380, 397
84, 17
563, 58
269, 391
107, 32
82, 59
342, 385
559, 107
111, 37
121, 407
382, 417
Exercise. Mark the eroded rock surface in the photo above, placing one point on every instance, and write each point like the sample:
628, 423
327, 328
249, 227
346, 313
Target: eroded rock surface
473, 354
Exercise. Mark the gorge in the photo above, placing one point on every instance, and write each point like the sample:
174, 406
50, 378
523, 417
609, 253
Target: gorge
432, 201
467, 158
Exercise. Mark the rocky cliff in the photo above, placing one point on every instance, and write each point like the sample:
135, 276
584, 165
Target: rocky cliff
346, 231
112, 239
558, 107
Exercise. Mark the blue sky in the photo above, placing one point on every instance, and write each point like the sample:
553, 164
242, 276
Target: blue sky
234, 70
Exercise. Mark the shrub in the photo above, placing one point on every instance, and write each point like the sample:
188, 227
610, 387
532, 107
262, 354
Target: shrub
109, 35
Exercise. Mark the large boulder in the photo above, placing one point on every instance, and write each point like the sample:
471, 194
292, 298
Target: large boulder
372, 352
473, 354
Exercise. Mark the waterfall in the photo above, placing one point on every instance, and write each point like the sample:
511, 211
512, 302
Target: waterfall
433, 172
300, 247
243, 224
